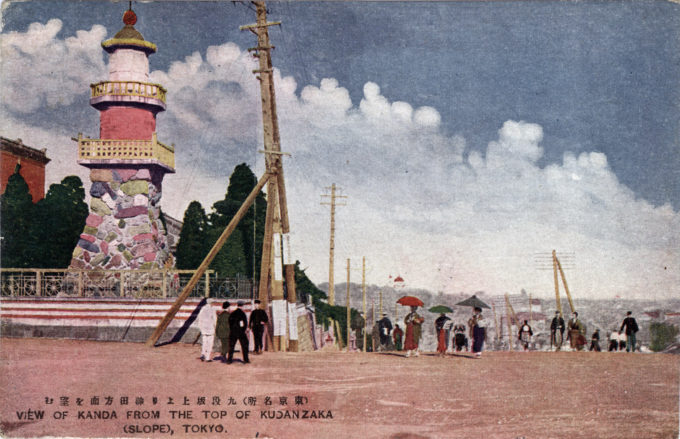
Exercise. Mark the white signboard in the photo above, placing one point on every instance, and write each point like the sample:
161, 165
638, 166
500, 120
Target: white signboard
292, 321
279, 316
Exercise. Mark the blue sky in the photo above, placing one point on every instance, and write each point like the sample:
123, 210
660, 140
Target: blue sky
449, 124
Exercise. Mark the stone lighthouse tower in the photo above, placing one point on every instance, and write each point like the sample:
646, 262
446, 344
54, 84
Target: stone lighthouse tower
127, 163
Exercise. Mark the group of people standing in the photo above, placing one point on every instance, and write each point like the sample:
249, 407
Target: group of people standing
477, 332
576, 334
231, 325
385, 337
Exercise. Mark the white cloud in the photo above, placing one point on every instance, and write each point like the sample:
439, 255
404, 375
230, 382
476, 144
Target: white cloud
418, 204
39, 69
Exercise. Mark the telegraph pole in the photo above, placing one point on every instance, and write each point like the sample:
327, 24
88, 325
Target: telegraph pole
331, 279
349, 314
363, 293
277, 221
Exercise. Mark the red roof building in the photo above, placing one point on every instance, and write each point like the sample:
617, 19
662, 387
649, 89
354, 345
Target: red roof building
32, 161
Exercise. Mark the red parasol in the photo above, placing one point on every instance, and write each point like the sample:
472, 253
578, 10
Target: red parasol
410, 301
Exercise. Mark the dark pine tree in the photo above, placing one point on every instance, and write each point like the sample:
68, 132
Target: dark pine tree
247, 238
58, 221
230, 261
192, 246
16, 211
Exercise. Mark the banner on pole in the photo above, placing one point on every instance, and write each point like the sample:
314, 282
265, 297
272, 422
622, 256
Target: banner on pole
278, 268
287, 252
292, 321
279, 317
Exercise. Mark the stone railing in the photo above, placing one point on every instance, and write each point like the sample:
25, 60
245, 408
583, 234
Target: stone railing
128, 88
30, 282
92, 150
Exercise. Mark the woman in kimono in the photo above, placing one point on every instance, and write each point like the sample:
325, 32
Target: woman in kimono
525, 333
441, 333
413, 322
398, 336
477, 326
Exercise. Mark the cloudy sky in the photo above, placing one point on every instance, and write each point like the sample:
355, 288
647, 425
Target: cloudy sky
468, 137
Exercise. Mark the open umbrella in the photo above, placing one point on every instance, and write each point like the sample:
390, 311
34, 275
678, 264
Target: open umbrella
410, 301
440, 309
473, 301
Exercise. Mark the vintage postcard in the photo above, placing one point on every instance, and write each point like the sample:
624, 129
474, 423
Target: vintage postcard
492, 187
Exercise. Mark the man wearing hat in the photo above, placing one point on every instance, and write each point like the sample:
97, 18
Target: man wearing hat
576, 331
207, 318
222, 330
238, 325
258, 321
631, 328
385, 327
557, 325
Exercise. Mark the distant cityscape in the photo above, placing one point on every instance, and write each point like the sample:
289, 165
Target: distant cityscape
603, 314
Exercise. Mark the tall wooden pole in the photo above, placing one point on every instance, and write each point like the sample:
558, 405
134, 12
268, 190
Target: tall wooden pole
266, 261
514, 317
331, 254
363, 294
331, 275
507, 314
495, 323
557, 285
349, 314
277, 278
163, 324
564, 282
272, 147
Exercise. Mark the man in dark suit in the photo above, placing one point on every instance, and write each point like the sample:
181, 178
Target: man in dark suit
258, 321
238, 325
557, 330
631, 329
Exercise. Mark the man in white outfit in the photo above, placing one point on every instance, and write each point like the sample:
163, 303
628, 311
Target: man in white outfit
207, 320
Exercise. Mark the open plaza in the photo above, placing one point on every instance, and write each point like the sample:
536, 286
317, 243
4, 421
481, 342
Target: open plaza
69, 388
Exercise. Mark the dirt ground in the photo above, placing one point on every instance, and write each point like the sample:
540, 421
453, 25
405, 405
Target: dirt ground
333, 394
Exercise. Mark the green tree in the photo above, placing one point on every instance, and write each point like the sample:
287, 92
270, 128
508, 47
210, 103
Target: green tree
230, 261
324, 312
192, 246
247, 238
16, 211
58, 221
662, 335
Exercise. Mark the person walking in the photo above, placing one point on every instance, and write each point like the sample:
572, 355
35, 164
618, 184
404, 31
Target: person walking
622, 340
631, 328
207, 319
613, 341
477, 326
413, 322
238, 325
576, 330
595, 341
222, 330
398, 335
385, 326
257, 324
525, 334
441, 333
557, 331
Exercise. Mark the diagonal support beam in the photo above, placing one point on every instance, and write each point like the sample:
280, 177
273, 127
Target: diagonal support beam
163, 325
